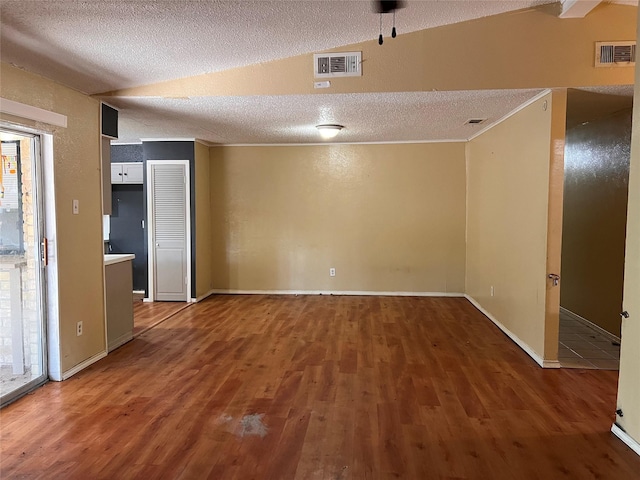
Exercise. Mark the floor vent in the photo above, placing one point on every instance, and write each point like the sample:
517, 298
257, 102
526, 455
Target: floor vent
347, 64
615, 54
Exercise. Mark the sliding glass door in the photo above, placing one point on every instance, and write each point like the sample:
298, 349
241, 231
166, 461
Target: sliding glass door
22, 319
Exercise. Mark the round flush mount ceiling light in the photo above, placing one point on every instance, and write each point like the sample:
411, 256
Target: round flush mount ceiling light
329, 130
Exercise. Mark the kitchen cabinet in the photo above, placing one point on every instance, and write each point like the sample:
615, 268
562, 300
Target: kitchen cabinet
127, 172
119, 298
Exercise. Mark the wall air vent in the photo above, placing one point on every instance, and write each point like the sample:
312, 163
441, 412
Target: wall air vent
475, 121
615, 54
343, 64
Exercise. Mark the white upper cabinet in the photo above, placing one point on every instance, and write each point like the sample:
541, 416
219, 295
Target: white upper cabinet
126, 172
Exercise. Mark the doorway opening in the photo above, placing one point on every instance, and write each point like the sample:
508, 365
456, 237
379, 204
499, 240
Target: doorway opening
23, 251
597, 154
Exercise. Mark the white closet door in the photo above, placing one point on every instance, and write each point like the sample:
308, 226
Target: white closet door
169, 216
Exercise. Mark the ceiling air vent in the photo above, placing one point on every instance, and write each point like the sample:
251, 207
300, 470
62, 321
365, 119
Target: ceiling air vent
615, 54
347, 64
475, 121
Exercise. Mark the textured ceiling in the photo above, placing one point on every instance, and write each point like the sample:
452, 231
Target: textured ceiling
101, 45
377, 117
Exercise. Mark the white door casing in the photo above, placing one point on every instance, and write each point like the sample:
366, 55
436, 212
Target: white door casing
169, 244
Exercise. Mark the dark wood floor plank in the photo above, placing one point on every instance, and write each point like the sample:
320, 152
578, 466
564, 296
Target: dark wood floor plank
305, 387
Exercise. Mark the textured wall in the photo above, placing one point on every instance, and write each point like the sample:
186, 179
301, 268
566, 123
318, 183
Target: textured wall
203, 254
126, 153
78, 246
629, 380
595, 217
387, 217
507, 190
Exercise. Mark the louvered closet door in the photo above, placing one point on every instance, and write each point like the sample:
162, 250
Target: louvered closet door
168, 186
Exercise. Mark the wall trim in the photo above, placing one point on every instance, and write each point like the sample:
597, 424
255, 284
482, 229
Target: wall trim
626, 438
590, 324
32, 113
125, 143
528, 350
118, 342
540, 95
315, 144
167, 139
202, 297
81, 366
333, 292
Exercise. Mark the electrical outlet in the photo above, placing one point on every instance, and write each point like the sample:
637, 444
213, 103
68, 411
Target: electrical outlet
79, 328
332, 272
492, 291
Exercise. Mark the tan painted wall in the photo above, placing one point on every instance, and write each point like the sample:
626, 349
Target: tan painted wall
525, 49
629, 379
507, 200
203, 254
77, 173
558, 106
387, 217
596, 195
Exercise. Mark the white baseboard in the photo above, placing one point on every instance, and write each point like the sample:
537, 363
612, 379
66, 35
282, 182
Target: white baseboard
528, 350
333, 292
139, 292
202, 297
81, 366
147, 300
118, 342
626, 438
590, 324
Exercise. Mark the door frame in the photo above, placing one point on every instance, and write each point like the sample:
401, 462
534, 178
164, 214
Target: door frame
41, 151
151, 223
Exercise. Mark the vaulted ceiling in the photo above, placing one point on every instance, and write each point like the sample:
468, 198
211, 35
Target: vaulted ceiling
113, 47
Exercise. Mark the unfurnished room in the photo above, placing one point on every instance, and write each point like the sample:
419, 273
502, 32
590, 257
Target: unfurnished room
319, 239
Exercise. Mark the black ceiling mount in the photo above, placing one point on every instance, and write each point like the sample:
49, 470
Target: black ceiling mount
384, 6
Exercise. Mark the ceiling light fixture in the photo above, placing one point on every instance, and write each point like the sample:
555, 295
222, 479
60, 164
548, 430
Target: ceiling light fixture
329, 130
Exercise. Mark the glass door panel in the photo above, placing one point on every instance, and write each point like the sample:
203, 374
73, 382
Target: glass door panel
22, 333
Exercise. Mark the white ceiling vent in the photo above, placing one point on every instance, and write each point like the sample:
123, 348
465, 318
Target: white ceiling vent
343, 64
615, 54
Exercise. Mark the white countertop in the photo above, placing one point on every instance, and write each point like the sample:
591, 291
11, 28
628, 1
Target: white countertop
110, 259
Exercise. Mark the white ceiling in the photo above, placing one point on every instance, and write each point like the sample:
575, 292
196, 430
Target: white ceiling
377, 117
101, 45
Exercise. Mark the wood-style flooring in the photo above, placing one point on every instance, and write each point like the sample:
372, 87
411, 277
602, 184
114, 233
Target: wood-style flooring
147, 315
319, 387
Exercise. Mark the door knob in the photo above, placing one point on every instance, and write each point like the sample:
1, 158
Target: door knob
157, 244
624, 314
554, 278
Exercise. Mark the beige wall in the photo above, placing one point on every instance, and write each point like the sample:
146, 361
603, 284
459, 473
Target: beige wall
77, 172
629, 379
525, 49
387, 217
595, 218
558, 106
203, 253
507, 201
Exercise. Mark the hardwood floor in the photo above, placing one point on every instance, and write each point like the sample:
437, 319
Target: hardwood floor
147, 315
317, 387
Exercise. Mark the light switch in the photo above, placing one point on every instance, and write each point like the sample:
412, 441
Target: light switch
76, 207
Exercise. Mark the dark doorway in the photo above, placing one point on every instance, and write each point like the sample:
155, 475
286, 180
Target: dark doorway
127, 232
